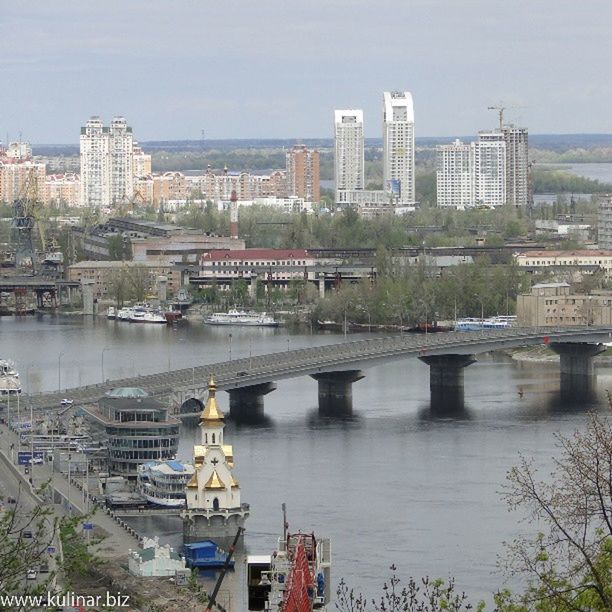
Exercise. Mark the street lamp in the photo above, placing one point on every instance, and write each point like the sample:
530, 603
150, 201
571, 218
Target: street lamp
230, 346
106, 348
59, 371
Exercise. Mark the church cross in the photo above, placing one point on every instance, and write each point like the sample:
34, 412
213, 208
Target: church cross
214, 461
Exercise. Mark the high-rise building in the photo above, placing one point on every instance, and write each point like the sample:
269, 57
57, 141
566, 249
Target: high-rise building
455, 187
604, 222
398, 145
348, 151
489, 169
121, 161
142, 162
107, 165
19, 172
517, 165
303, 173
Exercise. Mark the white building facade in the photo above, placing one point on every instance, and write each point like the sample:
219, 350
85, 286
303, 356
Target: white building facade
489, 169
455, 187
349, 165
107, 165
398, 145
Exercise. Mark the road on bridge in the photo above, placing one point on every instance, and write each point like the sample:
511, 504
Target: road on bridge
358, 354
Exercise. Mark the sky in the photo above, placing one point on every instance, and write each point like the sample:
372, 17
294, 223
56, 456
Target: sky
279, 68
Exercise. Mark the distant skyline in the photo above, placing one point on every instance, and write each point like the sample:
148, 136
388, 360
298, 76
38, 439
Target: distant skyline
274, 69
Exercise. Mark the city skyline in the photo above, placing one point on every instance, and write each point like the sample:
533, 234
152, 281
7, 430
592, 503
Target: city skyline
249, 76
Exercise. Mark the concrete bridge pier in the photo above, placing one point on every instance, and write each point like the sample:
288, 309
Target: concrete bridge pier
446, 378
246, 403
336, 391
577, 370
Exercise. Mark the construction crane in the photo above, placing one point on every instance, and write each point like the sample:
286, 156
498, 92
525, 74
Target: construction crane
27, 213
500, 111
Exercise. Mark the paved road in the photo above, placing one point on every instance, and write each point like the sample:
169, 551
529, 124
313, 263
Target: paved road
328, 358
117, 540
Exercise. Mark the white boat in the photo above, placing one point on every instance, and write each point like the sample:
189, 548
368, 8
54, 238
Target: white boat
7, 368
111, 313
147, 315
124, 314
473, 324
241, 317
163, 482
9, 378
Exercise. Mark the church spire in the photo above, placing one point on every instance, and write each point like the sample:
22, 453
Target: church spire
211, 415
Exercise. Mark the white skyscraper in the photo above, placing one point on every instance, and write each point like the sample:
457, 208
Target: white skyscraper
106, 163
348, 154
398, 145
121, 161
95, 164
455, 187
489, 169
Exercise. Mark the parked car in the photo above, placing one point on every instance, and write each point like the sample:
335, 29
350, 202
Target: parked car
32, 574
27, 534
43, 568
11, 500
67, 402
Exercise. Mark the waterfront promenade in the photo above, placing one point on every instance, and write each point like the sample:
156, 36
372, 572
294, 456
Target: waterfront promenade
70, 499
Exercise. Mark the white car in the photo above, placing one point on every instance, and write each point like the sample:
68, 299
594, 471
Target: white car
32, 574
67, 402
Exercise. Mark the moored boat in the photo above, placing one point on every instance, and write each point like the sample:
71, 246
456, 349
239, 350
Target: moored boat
163, 482
241, 317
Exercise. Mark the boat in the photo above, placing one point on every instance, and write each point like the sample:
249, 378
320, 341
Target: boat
9, 378
124, 314
241, 317
296, 577
163, 482
473, 324
148, 316
111, 313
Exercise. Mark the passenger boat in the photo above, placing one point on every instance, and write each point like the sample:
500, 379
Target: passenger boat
163, 482
111, 313
241, 317
473, 324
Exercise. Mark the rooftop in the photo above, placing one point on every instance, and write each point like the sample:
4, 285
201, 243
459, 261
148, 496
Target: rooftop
253, 254
578, 253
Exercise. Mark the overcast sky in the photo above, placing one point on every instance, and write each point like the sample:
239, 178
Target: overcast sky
278, 68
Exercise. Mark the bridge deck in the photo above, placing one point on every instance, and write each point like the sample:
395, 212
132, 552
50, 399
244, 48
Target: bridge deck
329, 358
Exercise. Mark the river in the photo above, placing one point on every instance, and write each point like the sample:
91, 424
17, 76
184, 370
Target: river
395, 483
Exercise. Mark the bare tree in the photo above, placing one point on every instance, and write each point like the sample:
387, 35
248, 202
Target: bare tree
569, 563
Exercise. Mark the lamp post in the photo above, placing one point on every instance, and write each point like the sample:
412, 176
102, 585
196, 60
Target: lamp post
230, 346
250, 352
59, 371
106, 348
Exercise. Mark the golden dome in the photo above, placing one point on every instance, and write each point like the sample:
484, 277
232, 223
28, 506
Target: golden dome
193, 483
211, 415
234, 483
214, 482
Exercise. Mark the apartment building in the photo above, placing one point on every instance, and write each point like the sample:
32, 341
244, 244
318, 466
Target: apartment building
489, 169
63, 189
604, 222
16, 174
517, 165
455, 187
349, 164
303, 173
573, 263
398, 145
141, 162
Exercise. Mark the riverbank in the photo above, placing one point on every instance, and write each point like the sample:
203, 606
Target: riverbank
542, 354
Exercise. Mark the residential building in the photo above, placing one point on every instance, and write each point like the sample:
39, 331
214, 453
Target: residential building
104, 274
553, 304
303, 173
455, 187
604, 224
16, 175
517, 165
135, 427
349, 164
63, 189
398, 145
141, 162
121, 162
20, 151
107, 164
489, 169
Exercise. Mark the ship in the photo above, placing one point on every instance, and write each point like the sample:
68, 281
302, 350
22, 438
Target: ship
9, 378
163, 482
241, 317
296, 578
473, 324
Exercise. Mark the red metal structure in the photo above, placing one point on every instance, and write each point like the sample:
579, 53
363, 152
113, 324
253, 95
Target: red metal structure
299, 593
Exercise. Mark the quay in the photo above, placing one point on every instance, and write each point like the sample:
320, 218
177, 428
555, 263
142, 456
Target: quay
336, 367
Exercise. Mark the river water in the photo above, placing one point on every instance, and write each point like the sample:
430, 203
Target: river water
395, 483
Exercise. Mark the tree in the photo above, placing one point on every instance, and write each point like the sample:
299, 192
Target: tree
569, 563
140, 282
426, 595
18, 553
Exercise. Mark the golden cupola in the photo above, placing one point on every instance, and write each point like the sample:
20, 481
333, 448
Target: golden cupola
211, 415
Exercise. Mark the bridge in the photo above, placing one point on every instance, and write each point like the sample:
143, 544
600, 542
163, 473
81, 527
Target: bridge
337, 366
